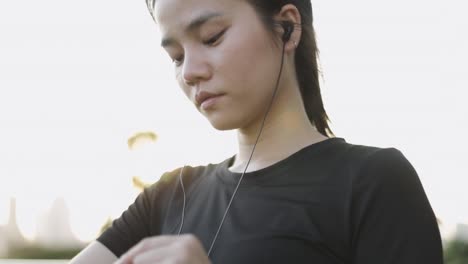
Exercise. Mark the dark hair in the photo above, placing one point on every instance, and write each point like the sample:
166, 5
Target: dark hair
306, 57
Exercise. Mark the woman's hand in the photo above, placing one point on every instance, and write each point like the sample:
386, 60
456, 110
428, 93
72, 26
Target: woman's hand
166, 249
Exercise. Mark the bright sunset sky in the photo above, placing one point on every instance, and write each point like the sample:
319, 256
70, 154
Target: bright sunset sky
78, 78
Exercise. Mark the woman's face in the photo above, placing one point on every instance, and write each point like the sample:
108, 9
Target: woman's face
225, 60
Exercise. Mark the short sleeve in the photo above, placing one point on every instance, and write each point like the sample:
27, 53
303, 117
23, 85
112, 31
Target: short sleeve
131, 227
392, 219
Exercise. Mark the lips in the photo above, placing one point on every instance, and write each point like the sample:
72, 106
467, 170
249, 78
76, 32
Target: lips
202, 96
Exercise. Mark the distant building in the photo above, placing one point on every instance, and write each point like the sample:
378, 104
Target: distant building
3, 244
53, 228
10, 235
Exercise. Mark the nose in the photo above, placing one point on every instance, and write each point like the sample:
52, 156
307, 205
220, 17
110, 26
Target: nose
195, 68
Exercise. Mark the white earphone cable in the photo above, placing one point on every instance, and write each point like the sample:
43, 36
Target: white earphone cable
248, 162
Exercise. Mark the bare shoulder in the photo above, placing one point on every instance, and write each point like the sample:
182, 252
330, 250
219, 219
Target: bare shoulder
94, 253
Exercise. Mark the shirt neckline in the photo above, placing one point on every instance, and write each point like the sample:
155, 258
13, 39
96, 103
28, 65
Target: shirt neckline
280, 167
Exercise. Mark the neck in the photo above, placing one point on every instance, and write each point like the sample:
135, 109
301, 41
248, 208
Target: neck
284, 133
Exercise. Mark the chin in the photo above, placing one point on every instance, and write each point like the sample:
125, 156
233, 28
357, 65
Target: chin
222, 126
222, 123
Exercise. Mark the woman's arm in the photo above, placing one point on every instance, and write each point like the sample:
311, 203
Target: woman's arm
94, 253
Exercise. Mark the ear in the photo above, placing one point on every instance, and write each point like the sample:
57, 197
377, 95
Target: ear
290, 13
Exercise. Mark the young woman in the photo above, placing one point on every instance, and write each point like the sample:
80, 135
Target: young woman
293, 193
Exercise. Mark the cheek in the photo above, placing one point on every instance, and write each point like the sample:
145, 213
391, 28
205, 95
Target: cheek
248, 61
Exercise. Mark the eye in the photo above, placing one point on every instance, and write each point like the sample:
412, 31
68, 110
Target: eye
211, 41
178, 60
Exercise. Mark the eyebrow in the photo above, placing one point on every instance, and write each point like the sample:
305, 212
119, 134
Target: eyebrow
192, 26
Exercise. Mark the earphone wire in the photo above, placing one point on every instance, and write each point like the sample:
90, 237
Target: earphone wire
247, 165
253, 150
183, 206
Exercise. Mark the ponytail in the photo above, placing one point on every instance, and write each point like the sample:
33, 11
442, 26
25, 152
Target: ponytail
308, 77
306, 58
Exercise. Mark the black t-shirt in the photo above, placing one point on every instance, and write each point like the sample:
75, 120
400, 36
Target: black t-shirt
330, 202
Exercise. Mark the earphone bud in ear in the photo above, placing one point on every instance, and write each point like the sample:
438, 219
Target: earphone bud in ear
288, 30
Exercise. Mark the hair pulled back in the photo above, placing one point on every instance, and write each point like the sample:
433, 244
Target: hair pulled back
306, 57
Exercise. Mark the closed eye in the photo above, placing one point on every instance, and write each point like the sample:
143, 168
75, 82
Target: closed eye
178, 60
215, 38
210, 42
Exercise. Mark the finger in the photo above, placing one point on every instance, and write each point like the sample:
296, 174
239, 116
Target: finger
186, 249
144, 245
167, 254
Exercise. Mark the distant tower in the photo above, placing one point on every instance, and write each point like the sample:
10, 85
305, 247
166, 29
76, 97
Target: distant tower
12, 215
12, 231
53, 229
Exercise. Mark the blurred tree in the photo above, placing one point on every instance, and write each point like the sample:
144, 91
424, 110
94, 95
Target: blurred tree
456, 252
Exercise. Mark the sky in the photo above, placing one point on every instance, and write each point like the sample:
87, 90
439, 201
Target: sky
77, 79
